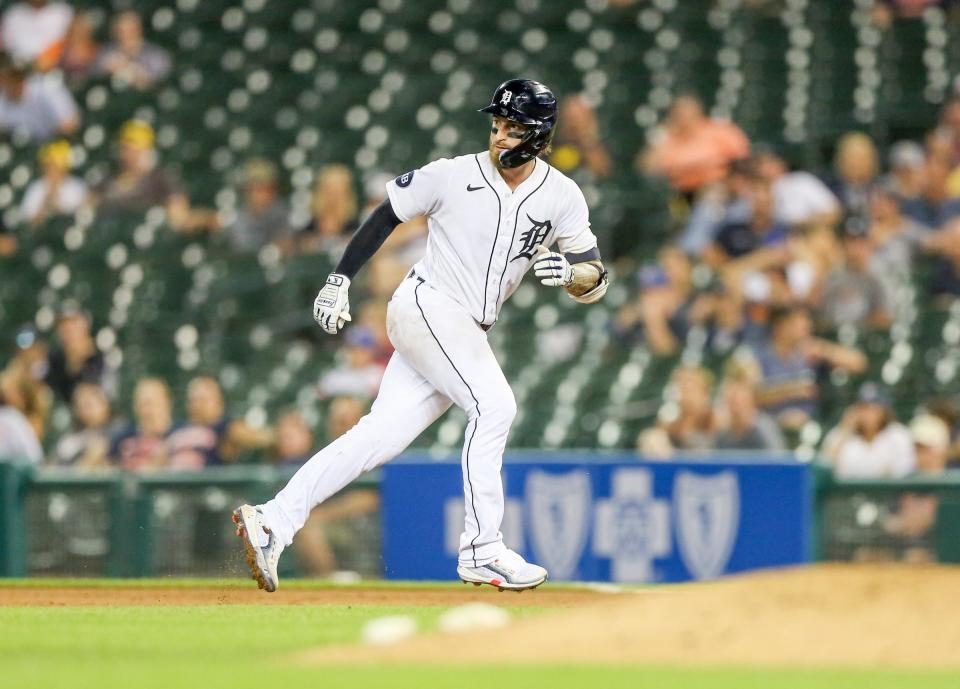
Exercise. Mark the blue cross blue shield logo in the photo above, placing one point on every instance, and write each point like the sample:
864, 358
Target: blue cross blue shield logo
707, 514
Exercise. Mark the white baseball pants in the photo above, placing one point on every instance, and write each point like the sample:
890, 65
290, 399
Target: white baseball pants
442, 356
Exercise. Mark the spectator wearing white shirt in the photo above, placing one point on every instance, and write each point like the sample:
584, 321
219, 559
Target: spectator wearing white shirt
19, 397
870, 442
56, 192
37, 106
799, 197
359, 372
34, 32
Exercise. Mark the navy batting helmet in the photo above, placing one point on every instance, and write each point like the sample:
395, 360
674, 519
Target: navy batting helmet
529, 103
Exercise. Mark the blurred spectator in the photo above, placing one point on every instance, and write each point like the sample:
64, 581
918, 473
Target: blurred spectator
38, 107
907, 160
931, 439
19, 439
947, 410
294, 440
721, 204
813, 253
742, 425
313, 543
934, 208
945, 245
799, 198
944, 140
77, 360
408, 241
8, 240
883, 12
661, 311
79, 51
333, 213
263, 218
788, 363
577, 145
32, 354
33, 32
340, 516
140, 183
916, 515
130, 59
210, 437
359, 372
694, 150
896, 239
87, 444
142, 446
56, 191
372, 315
28, 393
853, 293
760, 230
857, 165
687, 422
344, 413
740, 312
385, 271
374, 193
870, 442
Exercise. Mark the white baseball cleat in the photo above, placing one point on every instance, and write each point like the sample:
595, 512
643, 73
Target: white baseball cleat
508, 572
261, 547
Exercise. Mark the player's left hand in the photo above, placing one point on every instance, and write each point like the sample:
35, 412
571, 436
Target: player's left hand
552, 268
331, 308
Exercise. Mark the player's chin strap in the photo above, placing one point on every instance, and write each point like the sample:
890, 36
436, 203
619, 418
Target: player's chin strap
595, 294
529, 147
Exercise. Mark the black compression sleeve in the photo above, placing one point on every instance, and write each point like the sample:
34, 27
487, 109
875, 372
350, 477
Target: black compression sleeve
367, 239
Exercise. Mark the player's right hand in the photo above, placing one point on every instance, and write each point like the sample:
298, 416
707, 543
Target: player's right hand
331, 308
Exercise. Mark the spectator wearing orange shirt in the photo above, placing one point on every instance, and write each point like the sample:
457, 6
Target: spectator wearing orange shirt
694, 150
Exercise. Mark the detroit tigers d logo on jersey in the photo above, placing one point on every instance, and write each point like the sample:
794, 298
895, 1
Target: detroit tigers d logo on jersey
532, 238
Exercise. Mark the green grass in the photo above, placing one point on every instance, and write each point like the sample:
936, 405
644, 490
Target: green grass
249, 646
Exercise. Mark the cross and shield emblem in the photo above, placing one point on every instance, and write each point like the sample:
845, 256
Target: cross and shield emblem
707, 518
559, 510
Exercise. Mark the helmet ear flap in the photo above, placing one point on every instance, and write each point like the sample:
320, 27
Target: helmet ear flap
533, 142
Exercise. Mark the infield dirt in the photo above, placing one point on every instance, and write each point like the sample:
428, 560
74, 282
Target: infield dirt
828, 615
455, 594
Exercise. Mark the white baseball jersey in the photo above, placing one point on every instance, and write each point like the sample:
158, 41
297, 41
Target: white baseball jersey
483, 236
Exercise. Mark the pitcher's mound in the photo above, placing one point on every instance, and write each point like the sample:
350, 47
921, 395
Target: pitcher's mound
863, 615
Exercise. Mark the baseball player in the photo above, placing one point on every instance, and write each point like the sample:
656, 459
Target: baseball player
491, 216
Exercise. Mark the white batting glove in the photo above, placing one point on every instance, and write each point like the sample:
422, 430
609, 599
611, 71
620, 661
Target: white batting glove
331, 308
552, 268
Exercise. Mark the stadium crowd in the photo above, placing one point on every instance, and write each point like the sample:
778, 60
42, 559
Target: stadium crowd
770, 260
773, 261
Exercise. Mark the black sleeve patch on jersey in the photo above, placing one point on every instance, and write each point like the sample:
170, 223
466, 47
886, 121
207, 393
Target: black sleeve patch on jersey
588, 255
405, 179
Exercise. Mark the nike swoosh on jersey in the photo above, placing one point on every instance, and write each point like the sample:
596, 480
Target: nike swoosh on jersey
469, 188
